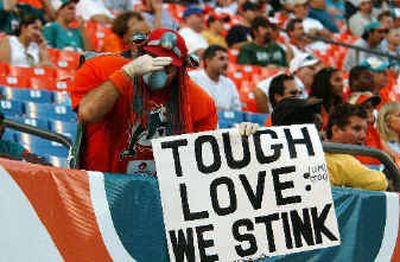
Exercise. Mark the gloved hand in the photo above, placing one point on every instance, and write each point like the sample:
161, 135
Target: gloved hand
247, 128
145, 64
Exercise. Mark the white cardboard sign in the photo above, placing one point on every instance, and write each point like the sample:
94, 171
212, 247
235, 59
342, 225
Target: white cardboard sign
231, 198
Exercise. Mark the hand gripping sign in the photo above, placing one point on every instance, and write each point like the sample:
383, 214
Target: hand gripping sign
231, 198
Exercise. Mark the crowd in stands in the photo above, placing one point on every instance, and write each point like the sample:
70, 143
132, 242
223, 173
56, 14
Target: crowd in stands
274, 58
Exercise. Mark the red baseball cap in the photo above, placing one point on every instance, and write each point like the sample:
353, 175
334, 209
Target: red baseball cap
166, 42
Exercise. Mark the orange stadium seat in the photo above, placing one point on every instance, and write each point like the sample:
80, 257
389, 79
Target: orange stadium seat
42, 83
15, 81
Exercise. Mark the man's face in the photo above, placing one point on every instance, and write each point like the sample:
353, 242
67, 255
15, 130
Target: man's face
298, 31
264, 33
300, 11
377, 35
219, 63
364, 82
249, 15
218, 26
290, 90
68, 12
353, 133
387, 21
366, 7
136, 26
195, 22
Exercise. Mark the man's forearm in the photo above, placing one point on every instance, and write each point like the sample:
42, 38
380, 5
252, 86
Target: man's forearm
98, 102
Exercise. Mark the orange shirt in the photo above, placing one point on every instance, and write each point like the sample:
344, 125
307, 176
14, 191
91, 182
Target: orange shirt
106, 139
372, 140
34, 3
113, 44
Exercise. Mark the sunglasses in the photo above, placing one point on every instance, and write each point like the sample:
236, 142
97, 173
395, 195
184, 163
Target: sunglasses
296, 92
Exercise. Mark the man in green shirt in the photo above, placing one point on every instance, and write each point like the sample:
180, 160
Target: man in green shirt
262, 51
59, 35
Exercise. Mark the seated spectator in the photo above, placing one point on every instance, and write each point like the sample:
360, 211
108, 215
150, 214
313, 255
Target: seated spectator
304, 67
282, 86
336, 9
328, 86
123, 27
362, 18
348, 125
298, 43
311, 26
392, 45
240, 34
213, 81
94, 10
318, 12
262, 51
43, 9
191, 32
28, 48
15, 151
157, 15
215, 27
369, 102
60, 35
378, 69
371, 39
120, 6
386, 19
9, 17
389, 125
361, 79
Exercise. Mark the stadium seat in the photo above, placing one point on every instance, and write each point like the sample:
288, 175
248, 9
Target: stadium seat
226, 119
62, 98
39, 123
255, 118
57, 161
40, 146
37, 96
66, 128
42, 83
49, 111
12, 108
15, 81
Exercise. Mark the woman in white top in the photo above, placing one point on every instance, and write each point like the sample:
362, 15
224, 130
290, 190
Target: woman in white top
28, 48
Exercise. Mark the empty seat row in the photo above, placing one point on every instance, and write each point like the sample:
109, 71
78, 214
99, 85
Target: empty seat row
227, 119
34, 95
37, 110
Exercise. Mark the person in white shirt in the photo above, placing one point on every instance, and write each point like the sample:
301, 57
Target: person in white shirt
191, 32
363, 17
303, 67
213, 81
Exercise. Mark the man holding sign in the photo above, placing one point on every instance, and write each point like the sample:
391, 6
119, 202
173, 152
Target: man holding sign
228, 197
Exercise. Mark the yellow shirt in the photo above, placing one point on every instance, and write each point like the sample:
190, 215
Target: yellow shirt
214, 39
346, 170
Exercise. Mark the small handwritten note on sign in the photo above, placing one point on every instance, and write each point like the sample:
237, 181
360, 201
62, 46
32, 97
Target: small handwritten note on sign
231, 198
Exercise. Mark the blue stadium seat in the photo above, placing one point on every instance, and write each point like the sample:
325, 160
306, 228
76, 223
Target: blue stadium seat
40, 146
57, 161
12, 108
227, 119
39, 123
49, 111
30, 95
255, 118
62, 98
66, 128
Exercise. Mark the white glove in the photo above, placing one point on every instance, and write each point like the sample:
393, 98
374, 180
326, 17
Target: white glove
145, 64
247, 128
